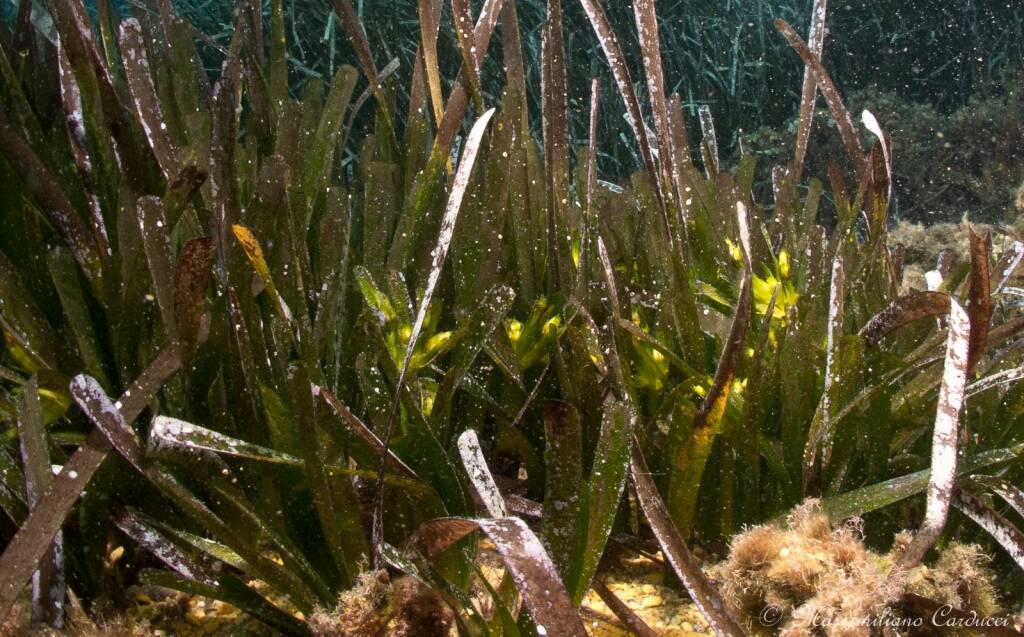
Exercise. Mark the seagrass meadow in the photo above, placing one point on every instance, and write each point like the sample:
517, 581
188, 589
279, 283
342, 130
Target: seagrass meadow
439, 375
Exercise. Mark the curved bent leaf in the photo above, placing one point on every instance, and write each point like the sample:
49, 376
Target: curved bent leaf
1013, 495
1002, 531
902, 311
138, 529
532, 569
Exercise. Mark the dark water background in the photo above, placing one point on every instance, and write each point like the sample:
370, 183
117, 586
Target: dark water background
917, 63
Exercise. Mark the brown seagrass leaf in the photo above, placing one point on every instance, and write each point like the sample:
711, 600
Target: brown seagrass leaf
902, 311
677, 554
430, 22
809, 92
71, 100
626, 615
835, 101
462, 17
979, 308
145, 103
650, 47
48, 584
458, 101
31, 541
147, 536
223, 184
357, 36
711, 407
531, 568
191, 277
1013, 495
108, 418
49, 196
1008, 264
620, 70
871, 123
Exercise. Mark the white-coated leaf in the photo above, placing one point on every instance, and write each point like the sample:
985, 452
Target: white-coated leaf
944, 442
480, 475
440, 252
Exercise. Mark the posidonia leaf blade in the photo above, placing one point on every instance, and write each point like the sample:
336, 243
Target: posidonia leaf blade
50, 197
832, 97
191, 277
430, 24
876, 496
254, 251
601, 494
819, 438
871, 123
470, 339
944, 442
650, 45
48, 586
108, 418
904, 310
145, 102
233, 591
462, 17
685, 480
1013, 495
979, 309
448, 128
32, 539
616, 60
1002, 531
1008, 264
444, 239
563, 482
139, 530
157, 245
809, 92
64, 274
480, 475
111, 421
364, 432
677, 554
321, 155
526, 559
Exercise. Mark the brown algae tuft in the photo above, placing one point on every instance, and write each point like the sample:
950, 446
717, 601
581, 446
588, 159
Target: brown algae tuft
815, 577
377, 606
